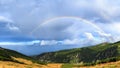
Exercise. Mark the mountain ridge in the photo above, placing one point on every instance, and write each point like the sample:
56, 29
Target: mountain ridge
86, 56
102, 52
11, 55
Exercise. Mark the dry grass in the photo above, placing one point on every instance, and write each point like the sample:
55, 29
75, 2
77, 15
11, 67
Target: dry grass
16, 65
7, 64
28, 64
54, 65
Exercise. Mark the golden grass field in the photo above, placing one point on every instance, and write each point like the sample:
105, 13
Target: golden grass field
16, 65
29, 64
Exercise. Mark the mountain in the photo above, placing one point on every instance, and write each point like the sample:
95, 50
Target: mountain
10, 55
105, 52
13, 59
36, 49
86, 56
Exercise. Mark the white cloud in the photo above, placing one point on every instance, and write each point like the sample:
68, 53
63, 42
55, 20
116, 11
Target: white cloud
109, 9
12, 27
71, 42
89, 36
4, 19
19, 43
7, 27
112, 30
48, 42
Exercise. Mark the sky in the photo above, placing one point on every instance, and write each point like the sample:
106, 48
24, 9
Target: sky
36, 26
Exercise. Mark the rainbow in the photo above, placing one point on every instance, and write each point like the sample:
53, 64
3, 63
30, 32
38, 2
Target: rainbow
68, 17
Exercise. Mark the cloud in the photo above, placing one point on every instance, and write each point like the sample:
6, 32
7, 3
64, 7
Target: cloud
12, 27
112, 30
45, 42
38, 11
18, 16
4, 19
109, 9
89, 36
7, 25
65, 28
19, 43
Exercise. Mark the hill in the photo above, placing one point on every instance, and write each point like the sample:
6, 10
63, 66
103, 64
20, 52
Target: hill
92, 57
9, 55
13, 59
102, 53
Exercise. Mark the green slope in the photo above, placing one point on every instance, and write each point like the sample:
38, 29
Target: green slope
101, 53
4, 56
7, 55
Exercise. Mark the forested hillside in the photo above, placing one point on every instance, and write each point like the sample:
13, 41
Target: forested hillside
105, 52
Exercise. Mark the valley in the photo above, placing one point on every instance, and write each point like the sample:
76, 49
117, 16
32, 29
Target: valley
102, 55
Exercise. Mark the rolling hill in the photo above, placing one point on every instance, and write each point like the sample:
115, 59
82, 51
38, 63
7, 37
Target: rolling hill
9, 55
13, 59
86, 57
102, 53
